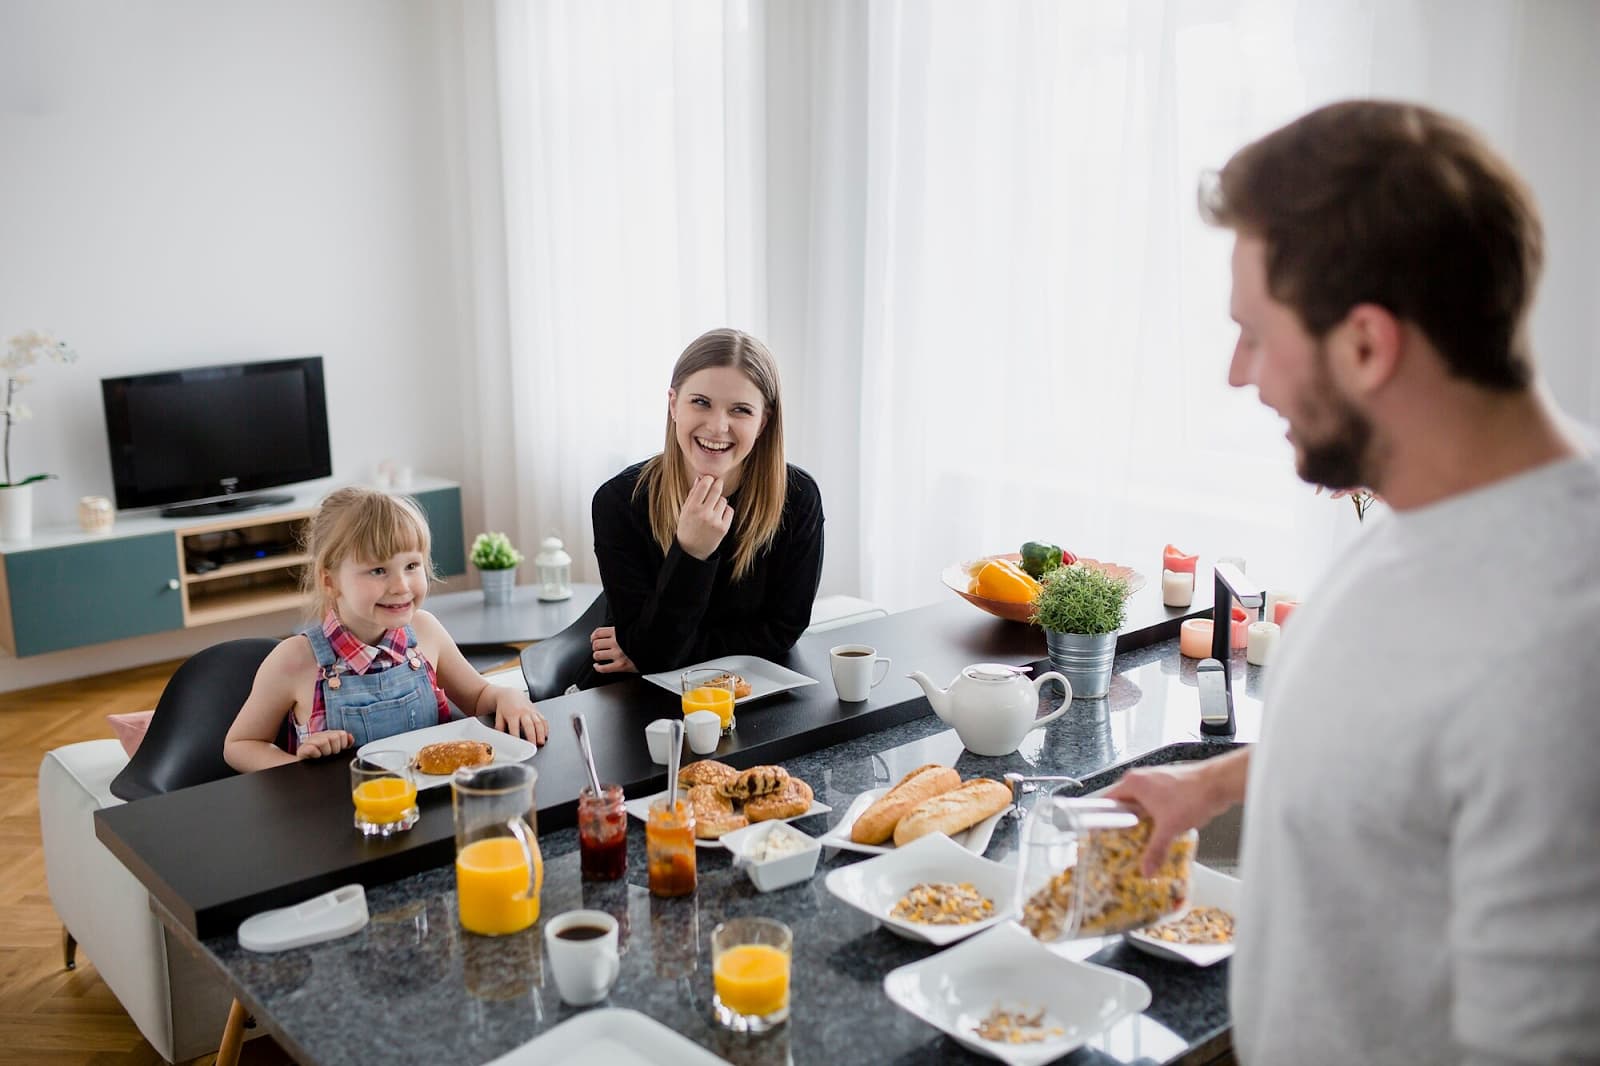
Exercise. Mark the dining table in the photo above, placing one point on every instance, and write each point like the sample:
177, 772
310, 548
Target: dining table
412, 986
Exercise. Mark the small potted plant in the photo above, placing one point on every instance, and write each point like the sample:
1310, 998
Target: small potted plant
1080, 610
16, 495
496, 559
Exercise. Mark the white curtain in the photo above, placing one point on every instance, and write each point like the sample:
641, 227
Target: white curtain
968, 230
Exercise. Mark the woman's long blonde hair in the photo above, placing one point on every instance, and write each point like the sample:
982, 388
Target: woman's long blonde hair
765, 483
365, 524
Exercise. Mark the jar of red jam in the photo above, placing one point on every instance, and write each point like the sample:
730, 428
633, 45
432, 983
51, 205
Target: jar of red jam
602, 834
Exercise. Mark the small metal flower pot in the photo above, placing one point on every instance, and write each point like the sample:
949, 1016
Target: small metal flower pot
1085, 659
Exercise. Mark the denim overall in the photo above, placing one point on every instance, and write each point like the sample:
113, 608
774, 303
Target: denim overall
378, 703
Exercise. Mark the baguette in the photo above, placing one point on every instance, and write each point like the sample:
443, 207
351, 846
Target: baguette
953, 811
877, 823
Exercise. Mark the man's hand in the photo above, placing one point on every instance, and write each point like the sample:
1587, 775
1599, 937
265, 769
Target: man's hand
704, 518
1181, 797
518, 717
609, 658
328, 742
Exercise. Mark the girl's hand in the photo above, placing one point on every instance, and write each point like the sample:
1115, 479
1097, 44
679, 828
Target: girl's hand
704, 518
519, 718
327, 742
609, 658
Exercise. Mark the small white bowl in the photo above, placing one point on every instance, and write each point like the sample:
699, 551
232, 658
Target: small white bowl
774, 873
876, 885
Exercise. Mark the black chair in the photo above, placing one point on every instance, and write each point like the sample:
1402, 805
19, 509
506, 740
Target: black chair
551, 666
183, 746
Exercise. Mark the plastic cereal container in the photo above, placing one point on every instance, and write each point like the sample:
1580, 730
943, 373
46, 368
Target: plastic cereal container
1080, 870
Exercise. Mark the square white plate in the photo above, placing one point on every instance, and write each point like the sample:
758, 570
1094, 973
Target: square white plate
613, 1036
766, 678
1006, 967
507, 748
975, 840
1207, 888
876, 885
640, 809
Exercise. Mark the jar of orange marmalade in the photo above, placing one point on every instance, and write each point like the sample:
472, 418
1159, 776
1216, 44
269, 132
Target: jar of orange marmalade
669, 848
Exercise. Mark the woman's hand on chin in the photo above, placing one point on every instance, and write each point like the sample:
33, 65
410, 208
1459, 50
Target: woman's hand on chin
704, 518
609, 658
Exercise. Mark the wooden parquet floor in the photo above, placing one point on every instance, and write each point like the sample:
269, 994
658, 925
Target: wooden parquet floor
50, 1015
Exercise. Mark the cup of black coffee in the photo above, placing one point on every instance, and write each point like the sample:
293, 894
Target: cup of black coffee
582, 949
855, 670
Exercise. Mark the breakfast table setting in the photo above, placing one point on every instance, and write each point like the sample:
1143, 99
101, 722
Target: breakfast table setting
873, 967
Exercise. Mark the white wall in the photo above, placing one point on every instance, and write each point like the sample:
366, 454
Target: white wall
186, 182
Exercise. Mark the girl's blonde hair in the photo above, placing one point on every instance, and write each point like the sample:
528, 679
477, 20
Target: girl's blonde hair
766, 475
363, 524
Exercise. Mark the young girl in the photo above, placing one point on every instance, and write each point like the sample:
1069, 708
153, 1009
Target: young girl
714, 546
375, 664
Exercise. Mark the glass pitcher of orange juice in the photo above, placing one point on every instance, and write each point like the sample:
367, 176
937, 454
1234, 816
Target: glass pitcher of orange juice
709, 690
499, 871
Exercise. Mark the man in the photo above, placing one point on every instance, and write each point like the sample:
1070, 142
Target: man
1421, 876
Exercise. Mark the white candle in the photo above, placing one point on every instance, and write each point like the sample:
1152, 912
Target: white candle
1262, 639
1273, 597
1177, 590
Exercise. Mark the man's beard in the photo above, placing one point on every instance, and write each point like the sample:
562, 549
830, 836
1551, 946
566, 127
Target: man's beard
1341, 458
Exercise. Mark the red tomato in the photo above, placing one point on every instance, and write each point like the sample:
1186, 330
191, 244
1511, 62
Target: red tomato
1179, 563
1067, 558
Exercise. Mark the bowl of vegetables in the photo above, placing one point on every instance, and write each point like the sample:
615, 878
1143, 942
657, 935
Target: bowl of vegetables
1006, 584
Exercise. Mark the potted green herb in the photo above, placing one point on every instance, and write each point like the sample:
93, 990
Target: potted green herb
1080, 610
496, 560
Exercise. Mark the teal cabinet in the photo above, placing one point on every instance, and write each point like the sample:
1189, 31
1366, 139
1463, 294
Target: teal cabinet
80, 594
443, 508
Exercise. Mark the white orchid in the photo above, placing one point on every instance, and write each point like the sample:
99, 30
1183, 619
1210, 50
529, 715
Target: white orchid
24, 350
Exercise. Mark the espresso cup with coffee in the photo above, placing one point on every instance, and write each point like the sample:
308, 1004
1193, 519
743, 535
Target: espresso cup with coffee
855, 670
582, 949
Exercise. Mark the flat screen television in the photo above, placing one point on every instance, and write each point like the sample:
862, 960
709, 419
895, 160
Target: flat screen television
213, 434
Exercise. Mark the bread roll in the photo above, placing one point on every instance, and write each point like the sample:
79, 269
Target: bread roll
793, 800
877, 822
448, 756
705, 772
953, 811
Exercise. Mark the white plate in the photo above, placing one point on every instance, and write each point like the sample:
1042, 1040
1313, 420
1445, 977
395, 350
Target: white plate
507, 748
613, 1036
1006, 967
876, 885
1207, 888
640, 809
766, 678
975, 840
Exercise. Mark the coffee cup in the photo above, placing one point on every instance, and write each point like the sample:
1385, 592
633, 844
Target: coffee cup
704, 730
581, 947
658, 735
855, 670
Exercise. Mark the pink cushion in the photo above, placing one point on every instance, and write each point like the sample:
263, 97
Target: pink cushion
130, 728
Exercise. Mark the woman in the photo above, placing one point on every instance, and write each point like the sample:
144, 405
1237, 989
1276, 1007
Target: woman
714, 546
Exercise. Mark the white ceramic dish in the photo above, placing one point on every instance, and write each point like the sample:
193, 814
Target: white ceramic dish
1006, 967
507, 748
613, 1036
640, 809
876, 885
1207, 888
773, 873
766, 678
975, 840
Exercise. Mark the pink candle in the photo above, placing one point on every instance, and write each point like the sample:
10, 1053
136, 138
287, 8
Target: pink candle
1239, 632
1194, 639
1283, 609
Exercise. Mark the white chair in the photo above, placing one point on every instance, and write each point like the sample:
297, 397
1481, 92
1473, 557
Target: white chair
831, 612
176, 1001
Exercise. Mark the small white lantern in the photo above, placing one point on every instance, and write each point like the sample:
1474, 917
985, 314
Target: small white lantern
554, 569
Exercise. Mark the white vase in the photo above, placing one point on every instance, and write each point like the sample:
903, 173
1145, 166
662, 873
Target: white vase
16, 513
498, 585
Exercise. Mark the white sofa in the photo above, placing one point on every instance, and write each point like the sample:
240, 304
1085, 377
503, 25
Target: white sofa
176, 1001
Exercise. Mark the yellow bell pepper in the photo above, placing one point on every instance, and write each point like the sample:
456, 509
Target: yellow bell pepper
1000, 579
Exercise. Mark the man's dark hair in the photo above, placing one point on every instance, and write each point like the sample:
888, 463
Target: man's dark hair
1396, 205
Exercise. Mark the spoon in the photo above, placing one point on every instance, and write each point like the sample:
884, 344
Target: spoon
579, 727
674, 753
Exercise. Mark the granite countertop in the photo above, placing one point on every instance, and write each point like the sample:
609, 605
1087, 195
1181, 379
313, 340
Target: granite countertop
413, 987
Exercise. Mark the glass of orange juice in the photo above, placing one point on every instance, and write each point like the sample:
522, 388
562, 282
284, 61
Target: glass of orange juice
384, 793
709, 690
499, 871
750, 971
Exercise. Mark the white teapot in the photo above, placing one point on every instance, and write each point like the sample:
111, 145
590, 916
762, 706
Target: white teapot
992, 706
